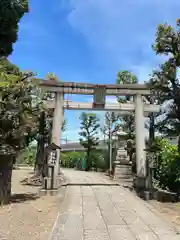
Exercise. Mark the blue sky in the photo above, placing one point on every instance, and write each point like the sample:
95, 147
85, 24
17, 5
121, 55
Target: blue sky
90, 41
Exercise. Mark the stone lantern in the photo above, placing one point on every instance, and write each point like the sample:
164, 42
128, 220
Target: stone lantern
120, 138
122, 167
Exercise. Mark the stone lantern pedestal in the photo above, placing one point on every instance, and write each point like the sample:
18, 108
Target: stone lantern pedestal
122, 166
123, 169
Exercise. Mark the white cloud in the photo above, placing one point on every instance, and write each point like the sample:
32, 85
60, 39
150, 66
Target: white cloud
121, 32
109, 99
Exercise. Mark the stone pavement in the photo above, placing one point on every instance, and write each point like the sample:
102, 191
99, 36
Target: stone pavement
108, 213
82, 177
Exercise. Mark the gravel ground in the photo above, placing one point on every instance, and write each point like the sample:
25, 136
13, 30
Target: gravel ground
27, 217
168, 210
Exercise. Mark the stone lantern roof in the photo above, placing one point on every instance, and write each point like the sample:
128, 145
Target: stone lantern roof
119, 132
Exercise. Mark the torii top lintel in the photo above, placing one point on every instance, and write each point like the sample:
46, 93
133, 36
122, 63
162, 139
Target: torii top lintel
88, 88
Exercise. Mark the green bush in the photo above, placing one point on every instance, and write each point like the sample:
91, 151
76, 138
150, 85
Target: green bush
27, 156
100, 159
69, 159
167, 171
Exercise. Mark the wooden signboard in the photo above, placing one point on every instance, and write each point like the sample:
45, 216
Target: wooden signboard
51, 153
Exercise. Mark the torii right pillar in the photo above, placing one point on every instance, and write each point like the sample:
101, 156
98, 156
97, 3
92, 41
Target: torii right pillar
141, 171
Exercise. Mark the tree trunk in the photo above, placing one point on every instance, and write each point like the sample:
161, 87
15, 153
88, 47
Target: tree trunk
39, 157
179, 144
114, 155
109, 155
88, 160
151, 129
6, 166
39, 163
151, 125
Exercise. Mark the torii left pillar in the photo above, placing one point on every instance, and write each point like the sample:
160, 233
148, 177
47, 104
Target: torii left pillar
58, 119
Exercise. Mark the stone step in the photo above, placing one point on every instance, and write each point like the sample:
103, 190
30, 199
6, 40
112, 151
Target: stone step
121, 161
123, 171
122, 155
121, 151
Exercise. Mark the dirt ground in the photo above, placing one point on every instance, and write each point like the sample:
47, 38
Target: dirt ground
28, 216
170, 211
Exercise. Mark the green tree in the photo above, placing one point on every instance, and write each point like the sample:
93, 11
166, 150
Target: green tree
89, 130
11, 12
17, 121
127, 122
165, 82
27, 156
125, 77
52, 76
107, 130
167, 172
110, 119
152, 124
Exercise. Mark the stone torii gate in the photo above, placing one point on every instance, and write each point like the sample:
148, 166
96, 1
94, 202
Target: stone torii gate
100, 92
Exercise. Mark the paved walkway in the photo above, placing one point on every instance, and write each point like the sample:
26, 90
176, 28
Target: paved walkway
107, 213
82, 177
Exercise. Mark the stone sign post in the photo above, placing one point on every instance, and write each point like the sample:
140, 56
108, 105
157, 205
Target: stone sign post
52, 156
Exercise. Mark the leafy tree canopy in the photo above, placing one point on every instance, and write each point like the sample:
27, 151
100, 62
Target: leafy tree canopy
89, 130
110, 120
17, 120
127, 122
11, 12
165, 80
126, 77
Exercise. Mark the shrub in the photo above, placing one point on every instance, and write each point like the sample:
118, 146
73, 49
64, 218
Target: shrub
69, 159
100, 159
27, 156
167, 171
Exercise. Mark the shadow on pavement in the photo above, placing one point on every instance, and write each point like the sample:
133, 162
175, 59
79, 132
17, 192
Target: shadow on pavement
32, 181
23, 197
